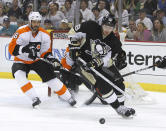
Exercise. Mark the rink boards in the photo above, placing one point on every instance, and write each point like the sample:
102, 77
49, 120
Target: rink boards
139, 55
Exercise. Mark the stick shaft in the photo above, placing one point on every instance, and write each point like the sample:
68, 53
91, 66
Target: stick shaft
134, 72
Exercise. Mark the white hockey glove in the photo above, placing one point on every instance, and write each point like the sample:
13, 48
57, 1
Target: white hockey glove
95, 63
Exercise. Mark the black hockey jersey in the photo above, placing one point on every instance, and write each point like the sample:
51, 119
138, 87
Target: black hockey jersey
94, 32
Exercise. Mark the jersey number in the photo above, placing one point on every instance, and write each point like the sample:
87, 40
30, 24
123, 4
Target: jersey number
15, 36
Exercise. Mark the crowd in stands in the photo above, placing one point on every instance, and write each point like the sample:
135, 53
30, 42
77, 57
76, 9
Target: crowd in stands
142, 20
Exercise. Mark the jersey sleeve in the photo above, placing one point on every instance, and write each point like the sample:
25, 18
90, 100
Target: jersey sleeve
46, 46
14, 46
85, 27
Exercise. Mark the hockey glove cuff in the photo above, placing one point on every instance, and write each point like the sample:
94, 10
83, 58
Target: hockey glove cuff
74, 51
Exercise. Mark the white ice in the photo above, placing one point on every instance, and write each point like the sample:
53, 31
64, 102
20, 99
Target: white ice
16, 113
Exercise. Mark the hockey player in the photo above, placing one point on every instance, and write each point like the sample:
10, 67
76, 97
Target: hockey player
30, 44
99, 47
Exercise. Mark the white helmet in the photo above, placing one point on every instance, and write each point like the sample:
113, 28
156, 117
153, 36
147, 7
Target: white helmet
34, 16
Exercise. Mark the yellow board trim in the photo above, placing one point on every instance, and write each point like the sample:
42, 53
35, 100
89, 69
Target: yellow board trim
8, 75
145, 86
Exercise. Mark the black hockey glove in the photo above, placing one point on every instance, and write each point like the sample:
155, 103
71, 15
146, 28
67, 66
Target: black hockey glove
55, 62
95, 63
74, 50
120, 61
31, 50
161, 63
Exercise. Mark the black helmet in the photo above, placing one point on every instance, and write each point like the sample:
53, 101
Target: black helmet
109, 20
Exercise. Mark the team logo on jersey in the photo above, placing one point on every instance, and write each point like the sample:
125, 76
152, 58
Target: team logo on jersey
99, 48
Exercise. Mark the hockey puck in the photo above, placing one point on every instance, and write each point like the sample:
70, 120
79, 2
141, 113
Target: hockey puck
102, 120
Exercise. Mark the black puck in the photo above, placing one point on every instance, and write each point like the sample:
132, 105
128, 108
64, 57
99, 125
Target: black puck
102, 120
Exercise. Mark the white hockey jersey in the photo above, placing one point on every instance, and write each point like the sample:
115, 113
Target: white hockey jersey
23, 36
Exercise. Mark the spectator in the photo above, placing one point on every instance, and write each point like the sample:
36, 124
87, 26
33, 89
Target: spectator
132, 29
64, 25
125, 16
102, 8
7, 6
44, 12
68, 11
55, 15
159, 31
15, 10
20, 22
103, 4
13, 19
48, 25
43, 3
86, 13
142, 34
1, 13
145, 20
28, 9
8, 29
150, 6
162, 5
96, 15
161, 16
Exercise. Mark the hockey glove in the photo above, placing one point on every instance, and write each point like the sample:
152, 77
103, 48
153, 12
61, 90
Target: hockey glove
161, 63
120, 61
31, 50
95, 63
74, 50
55, 62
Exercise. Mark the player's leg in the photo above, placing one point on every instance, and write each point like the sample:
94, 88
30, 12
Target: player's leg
20, 72
112, 73
71, 80
107, 94
46, 72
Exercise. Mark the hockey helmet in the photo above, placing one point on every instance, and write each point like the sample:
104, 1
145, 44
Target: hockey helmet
34, 16
109, 20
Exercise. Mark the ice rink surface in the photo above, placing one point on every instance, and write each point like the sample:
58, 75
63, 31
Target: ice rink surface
16, 113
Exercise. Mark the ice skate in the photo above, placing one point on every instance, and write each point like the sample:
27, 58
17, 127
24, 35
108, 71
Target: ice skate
72, 102
36, 102
125, 111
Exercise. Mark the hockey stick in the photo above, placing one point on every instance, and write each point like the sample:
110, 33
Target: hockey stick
104, 78
134, 72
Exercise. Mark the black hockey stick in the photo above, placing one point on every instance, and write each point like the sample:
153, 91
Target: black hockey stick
103, 77
134, 72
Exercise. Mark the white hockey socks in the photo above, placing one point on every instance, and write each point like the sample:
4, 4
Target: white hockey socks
59, 88
25, 85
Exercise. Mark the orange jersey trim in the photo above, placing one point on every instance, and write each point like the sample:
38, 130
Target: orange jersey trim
62, 90
63, 61
26, 87
26, 62
50, 49
15, 37
64, 64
